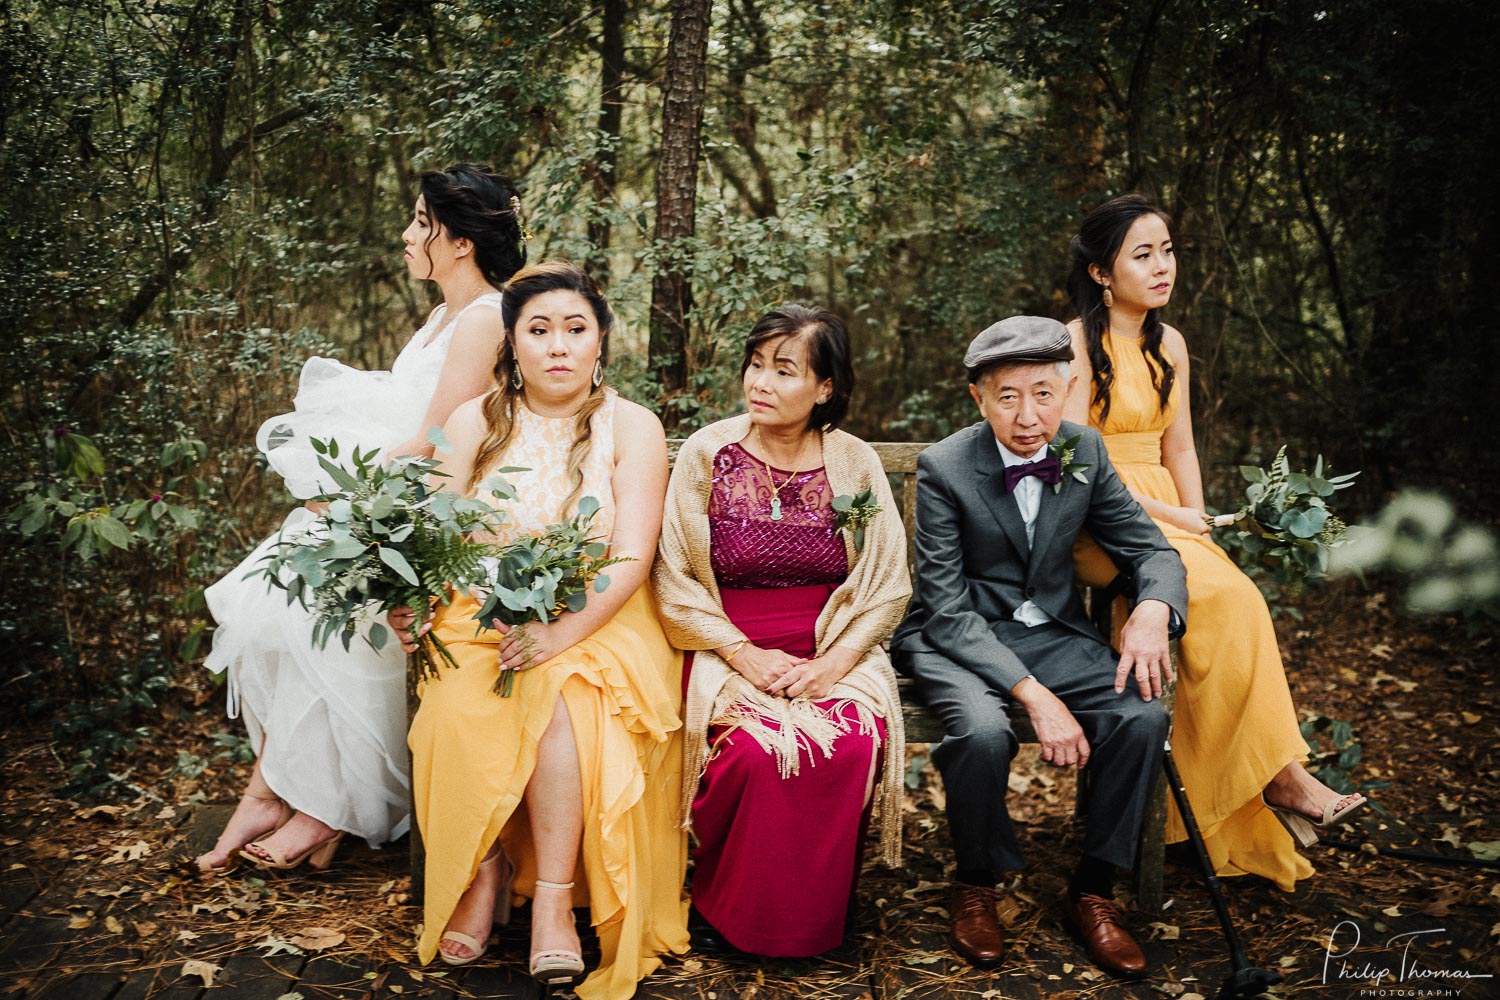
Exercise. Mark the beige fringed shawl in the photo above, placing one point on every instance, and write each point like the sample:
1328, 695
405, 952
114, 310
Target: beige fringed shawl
860, 614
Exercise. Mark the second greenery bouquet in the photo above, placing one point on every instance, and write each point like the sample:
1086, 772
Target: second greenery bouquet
1286, 525
538, 577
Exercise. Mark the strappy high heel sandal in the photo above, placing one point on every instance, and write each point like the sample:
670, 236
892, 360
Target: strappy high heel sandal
319, 856
556, 965
501, 914
212, 871
1305, 831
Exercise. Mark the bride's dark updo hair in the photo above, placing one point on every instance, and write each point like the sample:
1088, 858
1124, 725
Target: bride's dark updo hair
470, 201
1098, 242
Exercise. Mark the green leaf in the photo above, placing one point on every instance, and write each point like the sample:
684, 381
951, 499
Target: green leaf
378, 635
842, 503
396, 561
859, 538
601, 583
588, 507
111, 532
1253, 474
439, 440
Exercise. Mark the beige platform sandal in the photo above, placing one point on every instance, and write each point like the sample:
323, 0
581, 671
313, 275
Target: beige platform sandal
557, 965
501, 915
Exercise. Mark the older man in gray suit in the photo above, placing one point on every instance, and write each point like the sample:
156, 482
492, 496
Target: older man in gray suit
995, 619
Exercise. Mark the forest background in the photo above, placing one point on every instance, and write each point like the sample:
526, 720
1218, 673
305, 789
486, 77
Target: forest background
200, 195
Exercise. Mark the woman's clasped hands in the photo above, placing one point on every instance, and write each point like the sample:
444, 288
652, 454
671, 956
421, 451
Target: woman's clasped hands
777, 672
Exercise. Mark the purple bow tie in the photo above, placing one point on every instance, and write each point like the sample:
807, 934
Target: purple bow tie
1048, 470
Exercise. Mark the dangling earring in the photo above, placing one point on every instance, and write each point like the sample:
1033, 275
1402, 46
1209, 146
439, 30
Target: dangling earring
516, 381
1109, 298
598, 372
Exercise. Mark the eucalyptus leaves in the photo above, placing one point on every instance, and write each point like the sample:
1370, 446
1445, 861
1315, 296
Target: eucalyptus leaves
387, 539
390, 539
1286, 525
854, 513
540, 576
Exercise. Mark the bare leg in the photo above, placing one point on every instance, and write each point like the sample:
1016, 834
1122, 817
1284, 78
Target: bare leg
554, 800
1294, 788
258, 812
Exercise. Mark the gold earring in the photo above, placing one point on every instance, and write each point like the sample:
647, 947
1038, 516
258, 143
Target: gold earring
598, 372
516, 381
1109, 298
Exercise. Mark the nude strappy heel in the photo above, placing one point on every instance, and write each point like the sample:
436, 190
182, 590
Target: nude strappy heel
556, 965
501, 915
318, 856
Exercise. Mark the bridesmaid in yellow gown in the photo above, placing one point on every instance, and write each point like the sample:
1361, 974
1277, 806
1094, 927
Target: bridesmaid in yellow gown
567, 791
1235, 733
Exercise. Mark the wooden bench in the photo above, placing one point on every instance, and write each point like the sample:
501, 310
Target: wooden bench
900, 459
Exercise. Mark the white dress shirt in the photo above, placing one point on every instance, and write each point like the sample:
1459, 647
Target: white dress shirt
1028, 496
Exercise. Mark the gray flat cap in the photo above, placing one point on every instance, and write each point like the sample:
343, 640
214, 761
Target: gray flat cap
1019, 339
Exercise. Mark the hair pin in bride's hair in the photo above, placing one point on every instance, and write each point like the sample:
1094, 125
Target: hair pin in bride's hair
515, 208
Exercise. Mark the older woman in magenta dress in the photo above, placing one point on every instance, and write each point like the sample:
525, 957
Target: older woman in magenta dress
1235, 733
793, 723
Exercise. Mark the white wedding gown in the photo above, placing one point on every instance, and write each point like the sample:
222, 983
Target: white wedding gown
329, 724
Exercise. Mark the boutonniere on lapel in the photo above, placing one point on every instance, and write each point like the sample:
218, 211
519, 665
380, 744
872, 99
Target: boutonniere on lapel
1063, 451
854, 513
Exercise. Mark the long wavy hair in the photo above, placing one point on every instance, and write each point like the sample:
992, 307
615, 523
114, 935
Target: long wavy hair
1098, 242
470, 201
500, 404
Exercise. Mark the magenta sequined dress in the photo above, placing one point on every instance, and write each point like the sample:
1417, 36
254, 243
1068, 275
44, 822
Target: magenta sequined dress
777, 858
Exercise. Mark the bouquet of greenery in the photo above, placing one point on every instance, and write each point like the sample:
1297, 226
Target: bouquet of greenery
541, 576
386, 539
1286, 525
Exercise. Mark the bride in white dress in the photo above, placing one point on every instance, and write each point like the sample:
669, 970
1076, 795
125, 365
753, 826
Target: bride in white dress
329, 725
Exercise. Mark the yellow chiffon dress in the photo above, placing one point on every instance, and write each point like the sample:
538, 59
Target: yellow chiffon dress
473, 751
1234, 725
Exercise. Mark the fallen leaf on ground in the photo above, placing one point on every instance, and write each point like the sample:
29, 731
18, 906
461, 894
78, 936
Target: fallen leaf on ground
144, 928
203, 970
1485, 850
113, 925
129, 852
185, 936
277, 946
110, 811
80, 922
318, 938
1166, 932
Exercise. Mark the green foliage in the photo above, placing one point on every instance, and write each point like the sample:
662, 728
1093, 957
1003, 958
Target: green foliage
1335, 754
1448, 565
386, 539
1285, 526
538, 577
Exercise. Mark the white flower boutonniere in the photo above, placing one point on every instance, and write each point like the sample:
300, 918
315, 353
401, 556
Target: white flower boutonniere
854, 513
1063, 452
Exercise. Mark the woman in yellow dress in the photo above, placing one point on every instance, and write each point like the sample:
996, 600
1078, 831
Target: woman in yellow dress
1235, 733
567, 791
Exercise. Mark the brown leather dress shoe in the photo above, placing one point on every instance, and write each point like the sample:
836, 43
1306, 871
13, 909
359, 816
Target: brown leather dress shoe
1110, 946
976, 931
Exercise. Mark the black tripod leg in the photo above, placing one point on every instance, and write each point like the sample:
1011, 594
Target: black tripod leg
1246, 980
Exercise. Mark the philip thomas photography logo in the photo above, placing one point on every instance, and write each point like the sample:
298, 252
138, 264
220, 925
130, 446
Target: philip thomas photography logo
1398, 965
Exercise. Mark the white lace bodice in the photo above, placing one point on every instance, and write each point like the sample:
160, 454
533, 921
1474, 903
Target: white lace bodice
541, 446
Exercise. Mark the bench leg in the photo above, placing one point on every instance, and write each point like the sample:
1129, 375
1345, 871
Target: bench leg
1148, 870
417, 850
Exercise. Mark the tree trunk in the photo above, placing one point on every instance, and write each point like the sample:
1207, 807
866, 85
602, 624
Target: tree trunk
677, 197
611, 100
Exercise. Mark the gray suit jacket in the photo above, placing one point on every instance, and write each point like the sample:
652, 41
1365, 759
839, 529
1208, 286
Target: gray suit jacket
974, 567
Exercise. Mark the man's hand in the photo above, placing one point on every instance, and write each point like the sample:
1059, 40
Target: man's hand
816, 677
1145, 649
1060, 735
